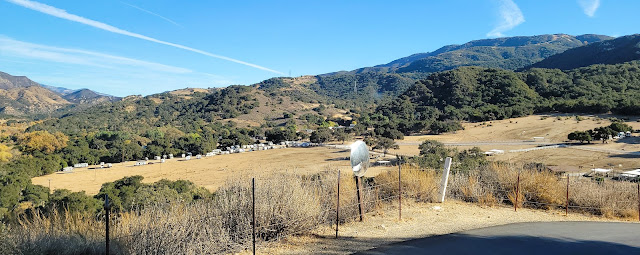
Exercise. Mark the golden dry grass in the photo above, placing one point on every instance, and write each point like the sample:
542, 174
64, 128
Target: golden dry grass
554, 127
292, 204
209, 172
496, 184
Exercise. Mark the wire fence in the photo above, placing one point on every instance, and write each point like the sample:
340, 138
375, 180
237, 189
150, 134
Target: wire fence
328, 201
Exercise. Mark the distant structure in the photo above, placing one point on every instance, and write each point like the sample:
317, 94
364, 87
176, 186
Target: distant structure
355, 87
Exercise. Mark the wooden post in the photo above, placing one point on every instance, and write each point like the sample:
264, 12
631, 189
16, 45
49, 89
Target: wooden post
515, 205
253, 212
338, 206
566, 211
399, 189
107, 208
359, 193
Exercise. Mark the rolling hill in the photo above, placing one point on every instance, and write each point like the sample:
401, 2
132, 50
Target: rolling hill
21, 96
88, 97
391, 79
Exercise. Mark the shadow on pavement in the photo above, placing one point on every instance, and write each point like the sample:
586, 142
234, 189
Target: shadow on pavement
469, 244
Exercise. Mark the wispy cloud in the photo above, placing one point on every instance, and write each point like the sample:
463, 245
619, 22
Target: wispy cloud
589, 7
510, 17
16, 48
152, 13
79, 68
53, 11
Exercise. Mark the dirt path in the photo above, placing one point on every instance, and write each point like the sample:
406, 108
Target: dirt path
419, 220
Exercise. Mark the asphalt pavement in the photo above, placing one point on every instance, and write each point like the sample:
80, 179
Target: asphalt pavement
528, 238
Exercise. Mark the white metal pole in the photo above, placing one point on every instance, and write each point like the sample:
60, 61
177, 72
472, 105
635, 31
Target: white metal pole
445, 178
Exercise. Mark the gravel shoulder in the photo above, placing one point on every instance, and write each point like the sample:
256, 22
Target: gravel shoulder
419, 220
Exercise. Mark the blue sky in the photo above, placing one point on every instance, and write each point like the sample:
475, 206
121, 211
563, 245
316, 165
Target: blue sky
145, 47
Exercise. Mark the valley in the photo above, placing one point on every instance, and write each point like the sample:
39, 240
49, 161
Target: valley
502, 107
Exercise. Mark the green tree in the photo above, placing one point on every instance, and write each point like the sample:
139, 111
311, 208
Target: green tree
620, 127
385, 144
341, 135
321, 135
582, 136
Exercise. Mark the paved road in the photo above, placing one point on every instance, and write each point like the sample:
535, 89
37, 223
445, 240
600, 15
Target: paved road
528, 238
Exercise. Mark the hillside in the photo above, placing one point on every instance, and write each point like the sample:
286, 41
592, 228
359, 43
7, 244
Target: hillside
20, 96
88, 97
344, 89
60, 90
506, 53
437, 103
190, 109
372, 84
615, 51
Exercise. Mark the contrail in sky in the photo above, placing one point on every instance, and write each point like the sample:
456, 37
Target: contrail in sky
53, 11
153, 13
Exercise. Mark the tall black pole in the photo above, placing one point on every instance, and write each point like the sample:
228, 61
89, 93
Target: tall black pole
107, 208
338, 205
253, 212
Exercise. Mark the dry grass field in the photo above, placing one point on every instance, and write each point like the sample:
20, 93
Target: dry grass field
553, 127
209, 172
212, 172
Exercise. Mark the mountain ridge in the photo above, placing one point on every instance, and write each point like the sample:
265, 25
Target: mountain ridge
21, 96
614, 51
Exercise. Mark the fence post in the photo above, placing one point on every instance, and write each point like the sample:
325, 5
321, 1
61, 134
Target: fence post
253, 212
399, 188
566, 211
515, 205
445, 179
359, 193
639, 201
338, 206
107, 208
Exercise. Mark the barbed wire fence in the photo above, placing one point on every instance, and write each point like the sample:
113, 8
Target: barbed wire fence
339, 206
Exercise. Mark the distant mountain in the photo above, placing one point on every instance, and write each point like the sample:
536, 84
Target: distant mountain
615, 51
60, 90
88, 97
508, 53
8, 81
366, 85
21, 96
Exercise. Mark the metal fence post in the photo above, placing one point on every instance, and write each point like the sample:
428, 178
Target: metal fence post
445, 179
107, 208
515, 205
253, 212
338, 206
359, 193
399, 189
566, 212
